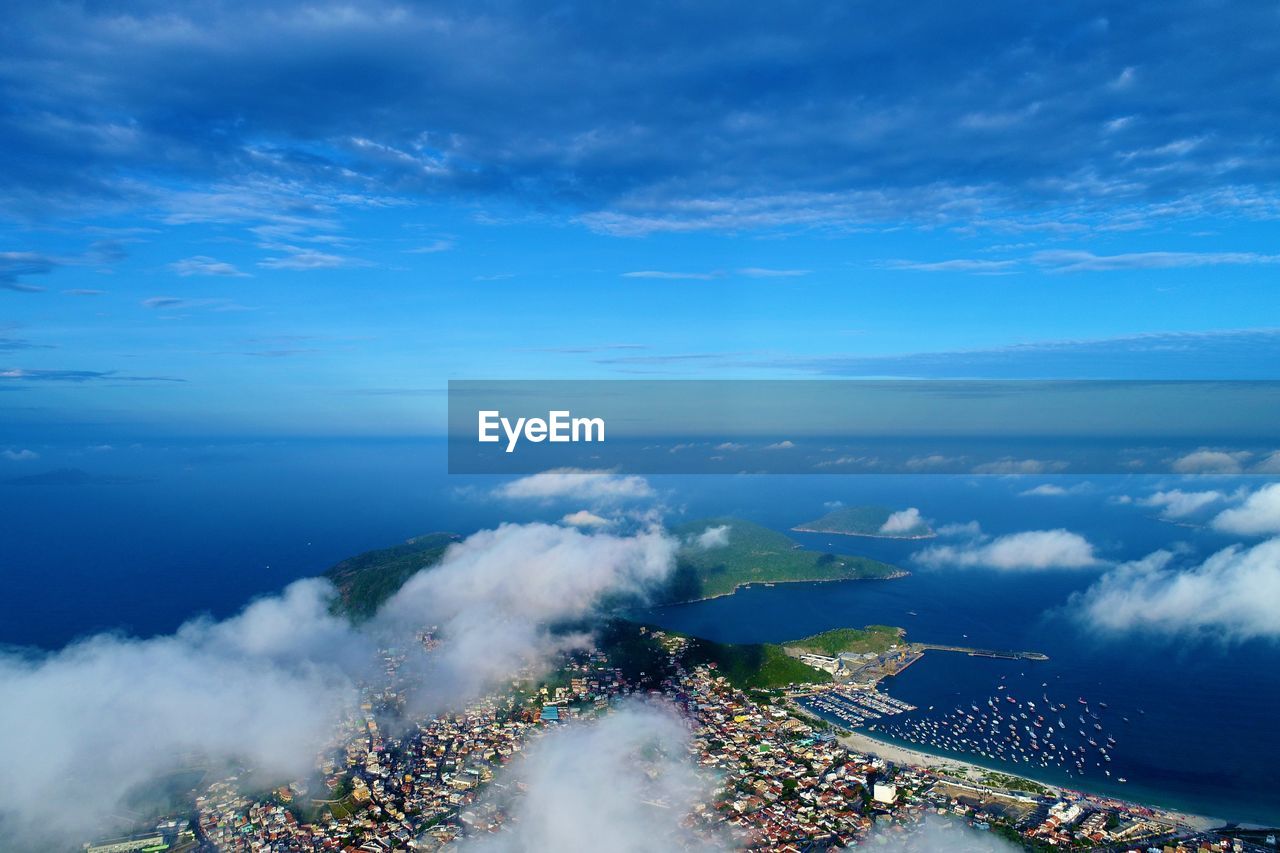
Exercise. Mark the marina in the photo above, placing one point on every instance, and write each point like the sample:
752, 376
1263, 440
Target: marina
1076, 738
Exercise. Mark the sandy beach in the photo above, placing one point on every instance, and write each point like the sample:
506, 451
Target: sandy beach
954, 767
970, 773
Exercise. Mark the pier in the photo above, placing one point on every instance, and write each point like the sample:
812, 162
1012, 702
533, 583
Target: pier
983, 653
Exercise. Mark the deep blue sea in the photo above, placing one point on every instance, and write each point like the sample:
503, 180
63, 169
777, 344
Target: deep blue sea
161, 534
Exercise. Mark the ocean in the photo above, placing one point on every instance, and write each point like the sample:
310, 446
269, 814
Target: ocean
154, 536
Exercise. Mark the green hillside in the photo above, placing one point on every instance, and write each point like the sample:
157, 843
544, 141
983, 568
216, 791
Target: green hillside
873, 638
756, 554
861, 521
754, 665
753, 554
366, 580
633, 648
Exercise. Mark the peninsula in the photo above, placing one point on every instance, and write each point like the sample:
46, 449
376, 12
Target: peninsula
877, 521
721, 554
717, 555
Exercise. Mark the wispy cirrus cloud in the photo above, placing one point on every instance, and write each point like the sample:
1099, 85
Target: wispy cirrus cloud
1210, 354
667, 275
432, 248
766, 272
17, 266
205, 265
302, 258
976, 266
181, 303
1043, 137
18, 374
1068, 261
11, 343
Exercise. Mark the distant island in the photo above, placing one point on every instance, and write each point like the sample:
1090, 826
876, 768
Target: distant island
877, 521
737, 552
70, 477
717, 556
721, 554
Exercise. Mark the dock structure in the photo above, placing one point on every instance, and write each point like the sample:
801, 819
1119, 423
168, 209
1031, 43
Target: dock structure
983, 653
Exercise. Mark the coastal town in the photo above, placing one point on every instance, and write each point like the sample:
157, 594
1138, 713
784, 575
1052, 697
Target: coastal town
784, 778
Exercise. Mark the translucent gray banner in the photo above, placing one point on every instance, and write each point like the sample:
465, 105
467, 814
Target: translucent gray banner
865, 427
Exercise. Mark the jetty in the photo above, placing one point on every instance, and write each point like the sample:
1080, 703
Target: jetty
982, 653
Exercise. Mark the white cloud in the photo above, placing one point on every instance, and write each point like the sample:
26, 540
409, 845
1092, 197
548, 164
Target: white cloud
19, 455
1176, 504
1270, 464
624, 784
965, 530
730, 445
713, 537
935, 460
935, 834
902, 521
762, 272
299, 258
1210, 462
841, 461
669, 276
204, 265
967, 265
494, 595
1011, 466
1032, 549
786, 444
584, 518
442, 245
1076, 261
1044, 490
1232, 595
576, 483
80, 728
1259, 514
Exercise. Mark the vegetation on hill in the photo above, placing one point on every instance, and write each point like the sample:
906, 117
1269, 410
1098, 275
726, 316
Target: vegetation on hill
633, 648
751, 553
873, 638
754, 665
367, 580
862, 521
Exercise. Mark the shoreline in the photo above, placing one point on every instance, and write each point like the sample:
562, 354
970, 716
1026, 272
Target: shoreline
860, 741
930, 535
900, 573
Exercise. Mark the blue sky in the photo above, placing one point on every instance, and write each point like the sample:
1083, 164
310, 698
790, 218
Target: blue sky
276, 219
